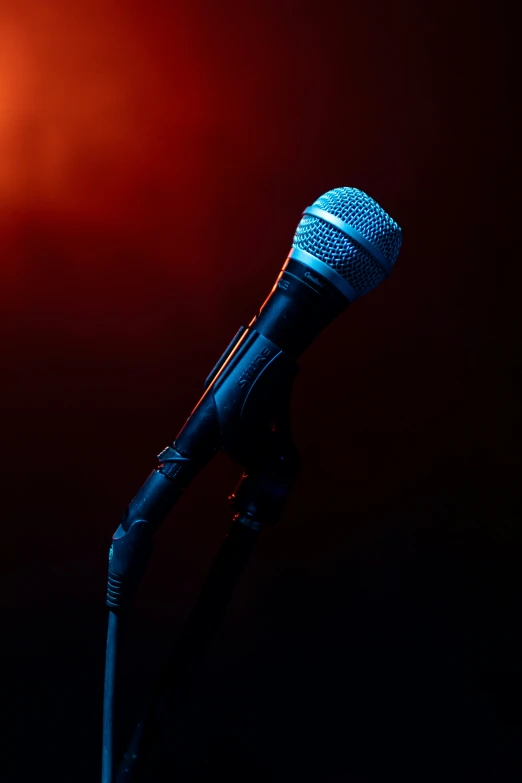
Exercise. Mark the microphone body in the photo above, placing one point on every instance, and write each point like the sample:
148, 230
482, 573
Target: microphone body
245, 407
244, 410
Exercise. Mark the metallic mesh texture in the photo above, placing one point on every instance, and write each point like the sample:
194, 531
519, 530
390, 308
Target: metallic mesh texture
345, 255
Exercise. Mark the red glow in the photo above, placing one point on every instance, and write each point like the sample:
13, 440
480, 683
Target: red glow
88, 107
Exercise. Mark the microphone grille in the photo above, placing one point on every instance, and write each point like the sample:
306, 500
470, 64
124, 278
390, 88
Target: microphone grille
345, 255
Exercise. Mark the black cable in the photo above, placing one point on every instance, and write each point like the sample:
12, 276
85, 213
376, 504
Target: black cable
108, 698
185, 659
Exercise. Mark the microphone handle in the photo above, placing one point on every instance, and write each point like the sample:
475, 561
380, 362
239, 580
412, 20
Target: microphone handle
243, 396
300, 305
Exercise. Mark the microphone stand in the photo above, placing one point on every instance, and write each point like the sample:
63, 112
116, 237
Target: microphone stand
259, 490
245, 410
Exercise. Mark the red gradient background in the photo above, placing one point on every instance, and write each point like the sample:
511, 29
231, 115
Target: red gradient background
155, 159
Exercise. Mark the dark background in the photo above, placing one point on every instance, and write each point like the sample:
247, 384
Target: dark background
154, 162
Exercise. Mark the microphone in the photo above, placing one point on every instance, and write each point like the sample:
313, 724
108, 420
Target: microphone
344, 246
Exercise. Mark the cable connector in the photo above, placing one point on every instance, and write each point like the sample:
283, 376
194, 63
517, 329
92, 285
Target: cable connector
129, 554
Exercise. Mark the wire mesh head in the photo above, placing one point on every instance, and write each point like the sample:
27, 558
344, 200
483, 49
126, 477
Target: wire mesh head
350, 259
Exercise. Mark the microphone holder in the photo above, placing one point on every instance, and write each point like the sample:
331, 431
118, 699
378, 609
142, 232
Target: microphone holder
264, 445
